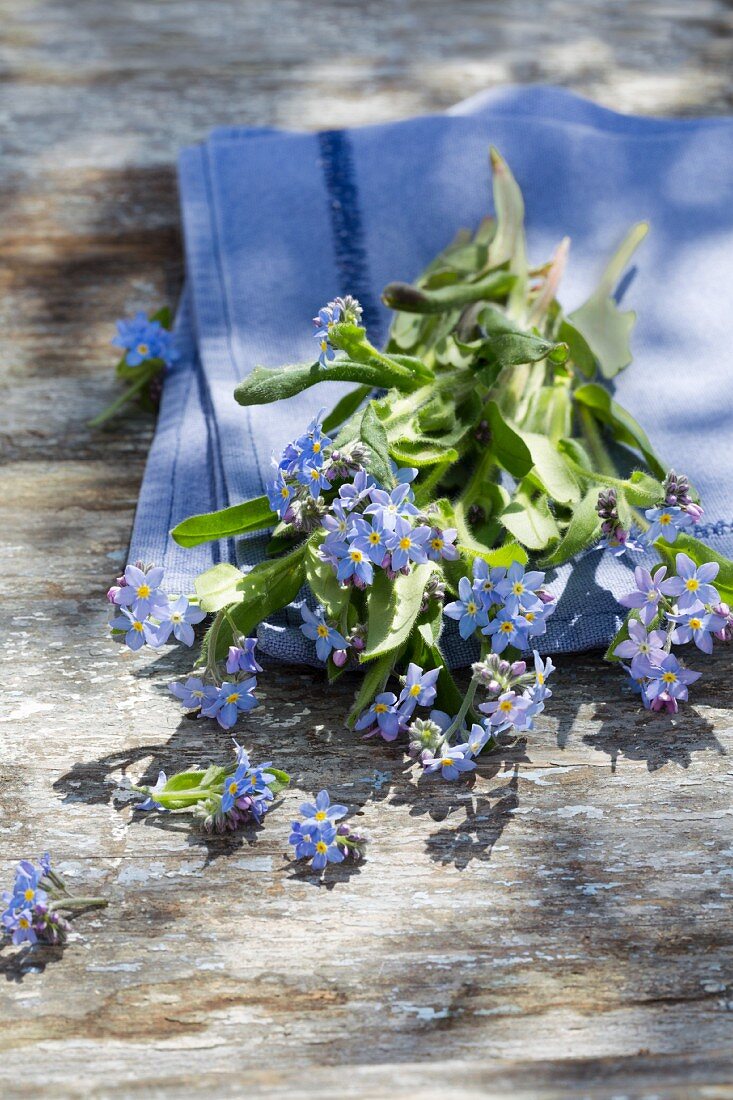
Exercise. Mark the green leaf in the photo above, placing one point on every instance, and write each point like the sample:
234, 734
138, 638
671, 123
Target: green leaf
508, 242
265, 385
582, 531
530, 521
252, 515
282, 780
550, 468
267, 588
353, 340
579, 352
624, 428
411, 299
509, 346
218, 587
507, 445
375, 679
373, 433
604, 327
420, 453
392, 608
322, 580
344, 408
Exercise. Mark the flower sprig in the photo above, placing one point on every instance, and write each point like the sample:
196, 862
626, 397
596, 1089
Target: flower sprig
149, 351
322, 837
220, 798
38, 908
146, 615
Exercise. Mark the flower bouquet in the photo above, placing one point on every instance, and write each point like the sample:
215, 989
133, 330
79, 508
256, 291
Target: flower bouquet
479, 448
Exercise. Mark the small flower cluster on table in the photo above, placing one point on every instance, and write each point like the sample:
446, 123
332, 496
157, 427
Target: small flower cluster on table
321, 838
146, 615
39, 905
668, 611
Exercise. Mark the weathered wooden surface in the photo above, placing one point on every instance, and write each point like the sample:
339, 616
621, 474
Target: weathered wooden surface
563, 928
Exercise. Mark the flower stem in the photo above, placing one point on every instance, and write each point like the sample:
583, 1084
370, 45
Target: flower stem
465, 707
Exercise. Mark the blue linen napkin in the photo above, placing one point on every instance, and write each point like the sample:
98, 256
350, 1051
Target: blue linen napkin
277, 223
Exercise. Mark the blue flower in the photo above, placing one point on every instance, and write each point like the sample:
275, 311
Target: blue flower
313, 478
321, 815
325, 319
141, 338
141, 594
242, 658
519, 589
650, 587
394, 505
419, 688
279, 494
234, 786
231, 700
313, 443
19, 924
383, 712
337, 523
509, 627
692, 585
353, 492
138, 632
441, 544
352, 562
694, 626
317, 629
509, 707
27, 892
542, 670
193, 693
304, 846
665, 522
181, 617
370, 537
326, 850
150, 802
450, 762
669, 678
641, 646
407, 544
477, 740
485, 580
468, 609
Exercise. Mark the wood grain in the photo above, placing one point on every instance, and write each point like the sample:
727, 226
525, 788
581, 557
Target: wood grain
561, 928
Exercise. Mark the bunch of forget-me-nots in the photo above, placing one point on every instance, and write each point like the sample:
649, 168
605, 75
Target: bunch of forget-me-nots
479, 448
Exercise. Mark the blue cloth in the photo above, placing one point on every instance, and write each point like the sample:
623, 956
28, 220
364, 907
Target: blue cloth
277, 223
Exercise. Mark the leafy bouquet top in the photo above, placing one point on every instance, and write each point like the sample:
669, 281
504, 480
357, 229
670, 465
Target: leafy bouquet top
484, 433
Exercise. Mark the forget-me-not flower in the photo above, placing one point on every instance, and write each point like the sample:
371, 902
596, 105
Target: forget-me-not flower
692, 584
650, 587
317, 629
382, 713
230, 701
180, 618
467, 609
419, 689
666, 521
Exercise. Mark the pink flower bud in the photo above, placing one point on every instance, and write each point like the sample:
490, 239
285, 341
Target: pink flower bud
112, 593
695, 511
339, 657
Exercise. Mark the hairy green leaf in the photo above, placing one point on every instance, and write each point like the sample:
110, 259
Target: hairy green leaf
623, 427
252, 515
393, 607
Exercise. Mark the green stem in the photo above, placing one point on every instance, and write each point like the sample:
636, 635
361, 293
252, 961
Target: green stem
465, 707
83, 903
211, 665
596, 446
123, 399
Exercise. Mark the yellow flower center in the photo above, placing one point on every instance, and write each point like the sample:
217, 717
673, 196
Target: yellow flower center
447, 761
436, 544
315, 475
529, 616
321, 848
233, 787
380, 708
176, 617
507, 628
316, 448
285, 492
29, 894
540, 678
415, 689
696, 624
24, 922
143, 591
665, 519
405, 542
471, 608
517, 588
138, 627
321, 815
374, 538
324, 345
322, 631
669, 677
692, 584
505, 705
142, 349
232, 698
356, 555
